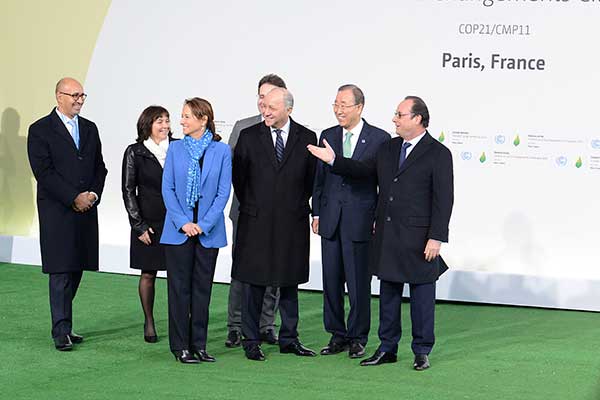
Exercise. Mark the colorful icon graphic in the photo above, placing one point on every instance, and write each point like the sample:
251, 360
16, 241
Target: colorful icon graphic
500, 139
517, 141
561, 161
466, 155
482, 158
579, 163
442, 137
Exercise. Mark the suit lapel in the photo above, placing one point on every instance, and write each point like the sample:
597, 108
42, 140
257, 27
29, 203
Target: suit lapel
267, 144
83, 133
337, 140
362, 142
420, 149
209, 156
61, 129
291, 142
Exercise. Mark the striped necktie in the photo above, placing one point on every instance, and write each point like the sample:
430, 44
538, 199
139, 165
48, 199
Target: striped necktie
279, 145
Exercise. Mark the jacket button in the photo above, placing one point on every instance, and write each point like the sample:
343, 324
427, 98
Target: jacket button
80, 158
391, 198
388, 219
395, 179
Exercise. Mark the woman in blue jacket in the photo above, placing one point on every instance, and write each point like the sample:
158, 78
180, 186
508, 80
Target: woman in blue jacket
196, 186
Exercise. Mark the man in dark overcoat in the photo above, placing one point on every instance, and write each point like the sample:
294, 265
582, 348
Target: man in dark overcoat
65, 156
273, 175
416, 195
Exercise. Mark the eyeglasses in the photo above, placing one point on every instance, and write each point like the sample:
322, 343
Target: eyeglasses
342, 106
76, 96
400, 115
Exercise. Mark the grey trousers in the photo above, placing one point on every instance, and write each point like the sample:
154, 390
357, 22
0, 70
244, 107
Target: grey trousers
234, 310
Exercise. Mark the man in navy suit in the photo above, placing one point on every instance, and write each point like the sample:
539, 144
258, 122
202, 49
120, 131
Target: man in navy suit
343, 215
65, 155
416, 195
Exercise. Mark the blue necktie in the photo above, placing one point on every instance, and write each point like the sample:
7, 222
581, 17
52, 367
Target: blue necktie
74, 132
279, 145
405, 146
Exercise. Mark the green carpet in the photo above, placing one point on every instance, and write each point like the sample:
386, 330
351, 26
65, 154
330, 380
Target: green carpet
482, 352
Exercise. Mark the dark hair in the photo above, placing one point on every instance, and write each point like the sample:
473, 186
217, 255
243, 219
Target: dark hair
202, 108
419, 108
146, 119
272, 79
359, 96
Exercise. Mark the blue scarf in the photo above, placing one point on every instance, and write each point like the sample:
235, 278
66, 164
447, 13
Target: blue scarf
195, 148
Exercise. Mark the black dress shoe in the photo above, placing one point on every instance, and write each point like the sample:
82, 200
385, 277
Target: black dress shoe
185, 357
150, 338
234, 339
269, 336
75, 338
254, 353
63, 343
380, 357
421, 362
298, 349
357, 350
334, 348
203, 356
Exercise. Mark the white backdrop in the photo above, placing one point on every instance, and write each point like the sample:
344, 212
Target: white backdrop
525, 143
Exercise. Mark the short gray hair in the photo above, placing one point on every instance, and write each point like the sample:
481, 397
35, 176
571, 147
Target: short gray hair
359, 97
288, 99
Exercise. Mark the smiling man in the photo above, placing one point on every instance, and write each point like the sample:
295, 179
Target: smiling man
65, 156
273, 175
271, 299
416, 195
343, 215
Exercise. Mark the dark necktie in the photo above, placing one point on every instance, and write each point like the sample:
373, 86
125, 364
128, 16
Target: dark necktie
279, 145
405, 146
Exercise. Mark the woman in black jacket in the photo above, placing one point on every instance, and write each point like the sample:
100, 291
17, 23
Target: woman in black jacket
143, 164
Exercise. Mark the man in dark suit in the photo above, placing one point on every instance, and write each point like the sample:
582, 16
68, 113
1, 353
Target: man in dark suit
343, 214
273, 176
271, 299
65, 156
416, 195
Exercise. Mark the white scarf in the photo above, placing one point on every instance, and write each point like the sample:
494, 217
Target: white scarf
159, 150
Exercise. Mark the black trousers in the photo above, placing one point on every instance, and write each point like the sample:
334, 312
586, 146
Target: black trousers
236, 289
422, 313
190, 272
346, 261
62, 290
251, 311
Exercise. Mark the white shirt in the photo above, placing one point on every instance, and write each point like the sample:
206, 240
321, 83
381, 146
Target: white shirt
355, 134
413, 143
285, 131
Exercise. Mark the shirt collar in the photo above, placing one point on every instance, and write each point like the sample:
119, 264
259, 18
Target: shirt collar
284, 129
356, 130
66, 119
413, 142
